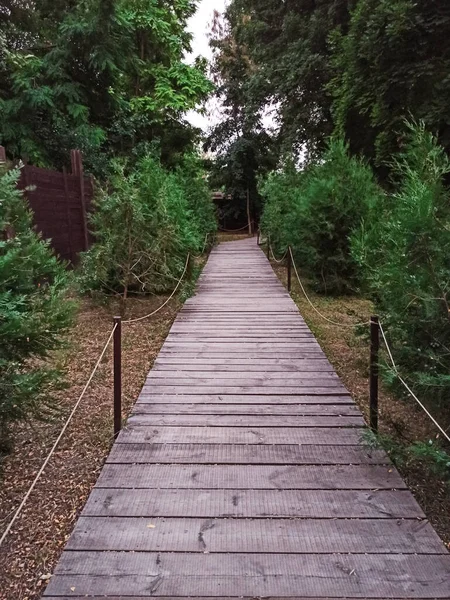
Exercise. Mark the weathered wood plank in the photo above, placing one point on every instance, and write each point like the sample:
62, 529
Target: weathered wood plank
148, 390
191, 420
255, 576
256, 378
256, 535
247, 399
348, 504
215, 454
180, 408
219, 366
325, 436
339, 477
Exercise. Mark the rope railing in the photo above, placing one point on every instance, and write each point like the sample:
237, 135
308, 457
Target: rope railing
223, 230
302, 287
406, 386
131, 321
279, 261
117, 390
376, 328
58, 439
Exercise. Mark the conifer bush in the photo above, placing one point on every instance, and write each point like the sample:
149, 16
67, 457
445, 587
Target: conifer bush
34, 310
317, 211
145, 223
404, 257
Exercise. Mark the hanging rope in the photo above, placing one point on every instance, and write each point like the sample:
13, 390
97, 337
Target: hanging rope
281, 259
129, 322
236, 230
58, 439
312, 305
204, 247
400, 378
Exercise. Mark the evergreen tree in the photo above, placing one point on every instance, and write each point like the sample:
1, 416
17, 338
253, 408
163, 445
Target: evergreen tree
145, 222
243, 148
403, 252
34, 310
323, 207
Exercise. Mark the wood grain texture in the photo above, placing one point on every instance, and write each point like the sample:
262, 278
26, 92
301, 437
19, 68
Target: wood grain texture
242, 471
158, 575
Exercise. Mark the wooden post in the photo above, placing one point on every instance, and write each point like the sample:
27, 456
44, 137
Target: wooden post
268, 247
74, 162
289, 270
77, 169
374, 352
117, 375
69, 217
2, 154
190, 268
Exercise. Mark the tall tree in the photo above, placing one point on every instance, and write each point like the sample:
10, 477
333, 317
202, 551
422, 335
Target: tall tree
243, 148
394, 62
289, 50
101, 75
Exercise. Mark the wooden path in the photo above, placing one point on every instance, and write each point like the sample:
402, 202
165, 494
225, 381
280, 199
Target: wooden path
241, 472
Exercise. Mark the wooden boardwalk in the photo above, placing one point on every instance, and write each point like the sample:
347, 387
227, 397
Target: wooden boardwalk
242, 473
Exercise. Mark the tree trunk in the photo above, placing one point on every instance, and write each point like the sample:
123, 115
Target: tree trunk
249, 217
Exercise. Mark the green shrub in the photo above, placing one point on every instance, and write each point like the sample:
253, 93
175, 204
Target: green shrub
283, 195
192, 178
317, 211
34, 310
145, 222
404, 256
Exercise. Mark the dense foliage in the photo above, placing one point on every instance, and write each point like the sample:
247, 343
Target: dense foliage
103, 76
393, 62
145, 223
289, 51
356, 66
403, 253
243, 149
34, 310
315, 212
359, 71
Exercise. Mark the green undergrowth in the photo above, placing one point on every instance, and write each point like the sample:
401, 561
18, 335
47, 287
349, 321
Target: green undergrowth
428, 453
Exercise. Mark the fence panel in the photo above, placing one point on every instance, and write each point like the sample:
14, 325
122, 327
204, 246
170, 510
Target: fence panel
58, 205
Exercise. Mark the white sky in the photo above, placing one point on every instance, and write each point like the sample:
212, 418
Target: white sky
200, 25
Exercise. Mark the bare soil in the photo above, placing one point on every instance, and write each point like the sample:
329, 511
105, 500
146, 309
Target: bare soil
34, 545
400, 419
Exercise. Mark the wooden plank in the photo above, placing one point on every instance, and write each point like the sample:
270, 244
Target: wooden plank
246, 399
183, 408
256, 345
339, 477
352, 504
242, 389
255, 378
215, 454
248, 575
219, 366
256, 535
191, 420
325, 436
224, 356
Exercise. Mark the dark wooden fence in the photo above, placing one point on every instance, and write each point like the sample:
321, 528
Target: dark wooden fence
60, 203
